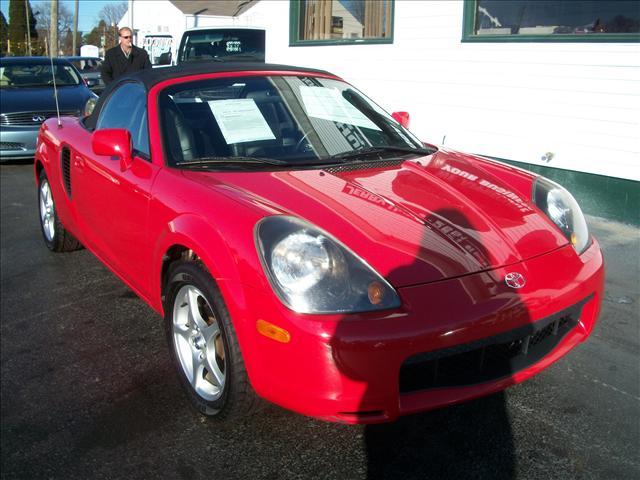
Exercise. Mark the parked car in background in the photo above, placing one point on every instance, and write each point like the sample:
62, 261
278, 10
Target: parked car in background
27, 99
222, 44
305, 247
89, 68
158, 48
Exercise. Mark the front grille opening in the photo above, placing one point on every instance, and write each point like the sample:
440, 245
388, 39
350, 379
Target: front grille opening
487, 359
29, 119
65, 167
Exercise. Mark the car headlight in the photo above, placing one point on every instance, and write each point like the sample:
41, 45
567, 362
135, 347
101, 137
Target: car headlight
560, 206
312, 272
90, 105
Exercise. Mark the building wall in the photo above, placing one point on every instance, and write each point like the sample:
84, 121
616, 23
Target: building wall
572, 106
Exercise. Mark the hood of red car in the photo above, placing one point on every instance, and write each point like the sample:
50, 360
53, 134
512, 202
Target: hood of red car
415, 221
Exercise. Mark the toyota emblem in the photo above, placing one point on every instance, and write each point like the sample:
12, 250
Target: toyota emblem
38, 118
514, 280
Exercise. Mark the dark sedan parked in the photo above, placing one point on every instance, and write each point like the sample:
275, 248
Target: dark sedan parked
27, 99
89, 68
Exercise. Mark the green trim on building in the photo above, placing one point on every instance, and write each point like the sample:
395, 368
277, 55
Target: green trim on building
294, 22
468, 35
609, 197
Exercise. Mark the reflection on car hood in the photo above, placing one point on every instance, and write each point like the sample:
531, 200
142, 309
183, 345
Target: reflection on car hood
41, 99
416, 221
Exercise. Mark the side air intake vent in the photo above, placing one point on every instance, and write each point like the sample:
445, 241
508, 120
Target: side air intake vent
65, 167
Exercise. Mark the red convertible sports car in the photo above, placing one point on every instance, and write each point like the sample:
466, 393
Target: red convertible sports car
304, 247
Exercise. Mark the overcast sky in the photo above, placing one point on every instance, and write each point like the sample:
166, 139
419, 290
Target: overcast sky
87, 10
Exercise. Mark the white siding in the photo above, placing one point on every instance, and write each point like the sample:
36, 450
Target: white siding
518, 101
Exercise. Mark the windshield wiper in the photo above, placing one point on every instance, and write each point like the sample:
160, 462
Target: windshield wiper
378, 149
232, 161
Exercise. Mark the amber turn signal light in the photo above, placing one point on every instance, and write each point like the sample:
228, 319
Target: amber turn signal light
375, 292
269, 330
574, 239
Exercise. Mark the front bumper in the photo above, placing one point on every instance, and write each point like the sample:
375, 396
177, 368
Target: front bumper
352, 368
17, 143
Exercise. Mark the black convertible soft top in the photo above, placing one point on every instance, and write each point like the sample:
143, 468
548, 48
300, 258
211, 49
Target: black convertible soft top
150, 77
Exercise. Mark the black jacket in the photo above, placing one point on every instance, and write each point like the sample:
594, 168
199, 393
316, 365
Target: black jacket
116, 64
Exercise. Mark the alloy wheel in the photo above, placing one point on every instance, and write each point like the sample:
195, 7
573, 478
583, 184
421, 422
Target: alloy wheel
198, 343
47, 211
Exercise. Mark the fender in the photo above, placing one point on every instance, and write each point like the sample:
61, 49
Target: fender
193, 232
518, 179
47, 151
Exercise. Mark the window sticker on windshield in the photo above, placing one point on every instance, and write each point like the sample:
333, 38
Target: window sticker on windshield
240, 120
328, 104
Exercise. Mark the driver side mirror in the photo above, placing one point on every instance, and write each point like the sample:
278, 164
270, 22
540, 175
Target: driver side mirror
115, 143
402, 118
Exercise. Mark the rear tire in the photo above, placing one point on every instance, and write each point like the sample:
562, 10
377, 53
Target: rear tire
203, 345
56, 237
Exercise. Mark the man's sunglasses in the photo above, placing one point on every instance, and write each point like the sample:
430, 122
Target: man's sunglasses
126, 36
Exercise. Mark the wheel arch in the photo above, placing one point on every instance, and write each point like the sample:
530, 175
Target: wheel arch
38, 167
190, 237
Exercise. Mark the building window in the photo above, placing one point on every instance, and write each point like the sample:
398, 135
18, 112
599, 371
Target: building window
331, 22
551, 21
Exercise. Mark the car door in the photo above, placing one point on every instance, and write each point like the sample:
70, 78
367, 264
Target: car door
113, 203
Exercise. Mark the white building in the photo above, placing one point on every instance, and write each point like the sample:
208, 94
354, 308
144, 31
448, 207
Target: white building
568, 96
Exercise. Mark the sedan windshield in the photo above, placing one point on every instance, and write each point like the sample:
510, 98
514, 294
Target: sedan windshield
296, 120
37, 75
87, 65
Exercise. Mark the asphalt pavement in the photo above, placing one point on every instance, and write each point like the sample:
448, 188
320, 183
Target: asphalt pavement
87, 391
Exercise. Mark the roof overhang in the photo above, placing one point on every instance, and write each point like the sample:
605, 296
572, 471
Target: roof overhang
225, 8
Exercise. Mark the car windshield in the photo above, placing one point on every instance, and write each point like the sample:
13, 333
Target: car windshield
87, 65
295, 120
223, 44
36, 75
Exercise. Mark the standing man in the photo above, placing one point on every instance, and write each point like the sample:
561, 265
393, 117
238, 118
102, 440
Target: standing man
123, 58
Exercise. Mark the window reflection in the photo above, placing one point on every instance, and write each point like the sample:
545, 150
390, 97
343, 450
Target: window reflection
551, 17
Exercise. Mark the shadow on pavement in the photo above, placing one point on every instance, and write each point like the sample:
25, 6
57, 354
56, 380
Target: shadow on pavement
472, 440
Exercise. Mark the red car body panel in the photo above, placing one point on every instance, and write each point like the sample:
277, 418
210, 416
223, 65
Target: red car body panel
442, 229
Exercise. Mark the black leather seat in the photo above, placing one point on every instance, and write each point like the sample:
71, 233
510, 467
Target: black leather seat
180, 140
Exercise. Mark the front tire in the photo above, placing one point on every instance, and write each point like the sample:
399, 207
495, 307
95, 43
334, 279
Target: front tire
56, 237
203, 345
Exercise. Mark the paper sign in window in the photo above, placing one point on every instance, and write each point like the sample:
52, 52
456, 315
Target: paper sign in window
240, 120
328, 104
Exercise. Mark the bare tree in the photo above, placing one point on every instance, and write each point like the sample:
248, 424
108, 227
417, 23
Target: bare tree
112, 13
65, 18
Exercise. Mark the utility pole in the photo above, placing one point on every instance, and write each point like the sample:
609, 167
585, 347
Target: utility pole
53, 44
75, 28
26, 16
